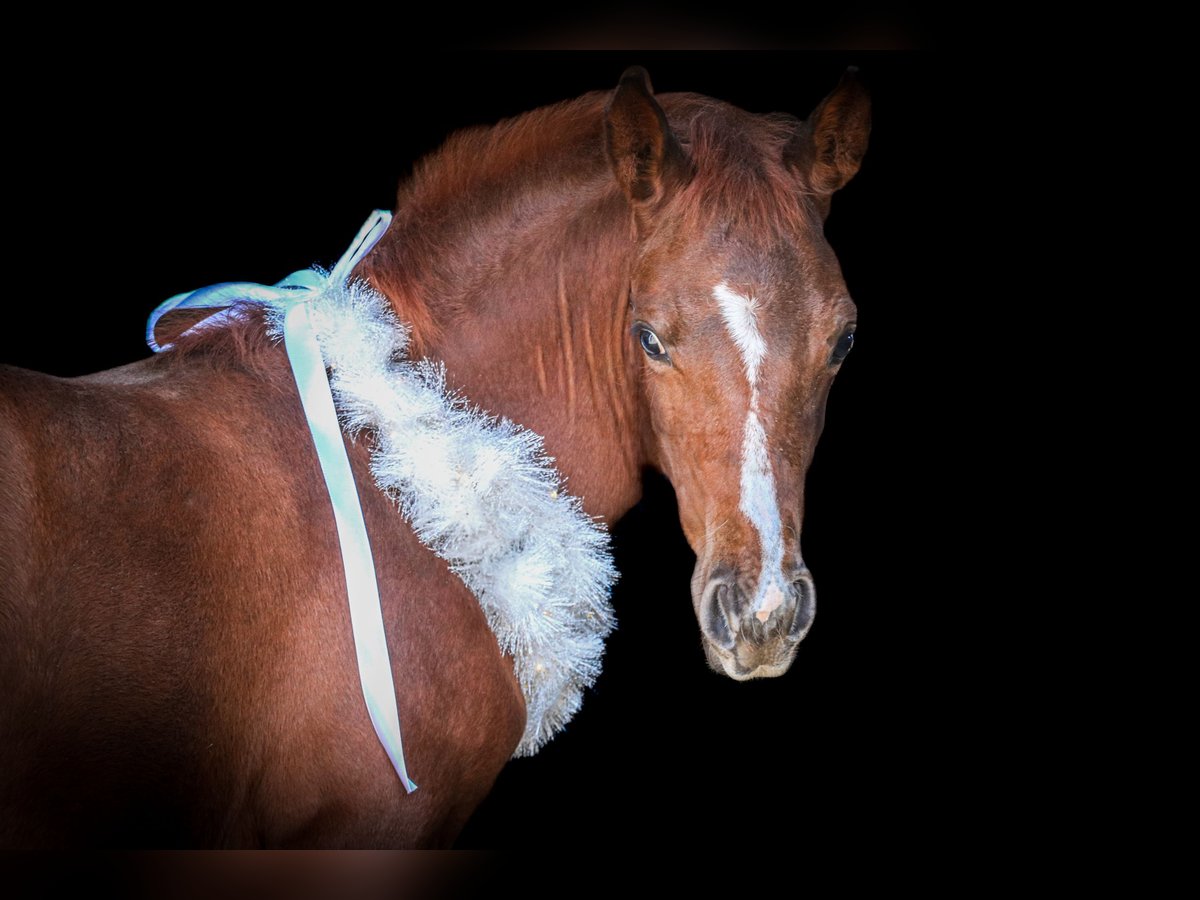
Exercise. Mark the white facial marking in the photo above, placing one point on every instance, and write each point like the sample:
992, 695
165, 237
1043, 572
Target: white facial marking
758, 503
741, 318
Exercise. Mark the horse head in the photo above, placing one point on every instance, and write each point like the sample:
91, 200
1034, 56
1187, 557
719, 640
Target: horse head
742, 319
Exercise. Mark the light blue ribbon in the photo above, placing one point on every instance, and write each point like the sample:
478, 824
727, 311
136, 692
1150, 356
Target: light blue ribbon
308, 367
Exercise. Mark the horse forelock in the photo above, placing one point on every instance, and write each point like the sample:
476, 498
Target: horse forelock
739, 179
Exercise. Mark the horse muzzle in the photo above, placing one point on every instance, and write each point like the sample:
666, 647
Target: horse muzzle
746, 636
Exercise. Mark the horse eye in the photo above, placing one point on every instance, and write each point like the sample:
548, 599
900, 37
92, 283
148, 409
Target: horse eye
651, 344
845, 342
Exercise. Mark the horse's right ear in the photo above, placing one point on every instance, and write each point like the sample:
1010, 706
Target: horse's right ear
644, 154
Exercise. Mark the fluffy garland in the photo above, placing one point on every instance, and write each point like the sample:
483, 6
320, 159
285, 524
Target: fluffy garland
481, 493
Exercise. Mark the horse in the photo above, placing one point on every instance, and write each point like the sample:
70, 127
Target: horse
640, 279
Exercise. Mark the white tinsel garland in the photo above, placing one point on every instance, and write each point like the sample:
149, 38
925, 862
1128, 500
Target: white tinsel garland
481, 493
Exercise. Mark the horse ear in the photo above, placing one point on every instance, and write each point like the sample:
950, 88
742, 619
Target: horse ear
829, 147
644, 154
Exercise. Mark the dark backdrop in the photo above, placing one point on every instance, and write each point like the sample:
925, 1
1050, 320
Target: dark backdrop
118, 199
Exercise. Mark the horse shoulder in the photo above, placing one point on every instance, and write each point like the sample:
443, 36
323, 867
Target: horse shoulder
112, 702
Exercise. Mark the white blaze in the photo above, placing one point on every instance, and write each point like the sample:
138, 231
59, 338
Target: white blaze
759, 503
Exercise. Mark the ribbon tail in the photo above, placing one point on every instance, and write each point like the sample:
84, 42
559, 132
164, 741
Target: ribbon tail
362, 589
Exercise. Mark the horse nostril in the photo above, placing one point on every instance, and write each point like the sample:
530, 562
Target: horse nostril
806, 605
717, 609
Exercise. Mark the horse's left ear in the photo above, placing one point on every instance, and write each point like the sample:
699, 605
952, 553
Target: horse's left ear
645, 156
828, 148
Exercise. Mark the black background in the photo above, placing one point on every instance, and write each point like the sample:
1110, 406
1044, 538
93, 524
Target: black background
119, 198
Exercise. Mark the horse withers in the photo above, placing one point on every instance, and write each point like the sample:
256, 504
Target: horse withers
643, 280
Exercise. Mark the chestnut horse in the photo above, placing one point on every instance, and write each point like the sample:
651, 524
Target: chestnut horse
642, 280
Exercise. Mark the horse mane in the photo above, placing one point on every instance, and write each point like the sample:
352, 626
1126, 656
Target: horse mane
477, 162
477, 175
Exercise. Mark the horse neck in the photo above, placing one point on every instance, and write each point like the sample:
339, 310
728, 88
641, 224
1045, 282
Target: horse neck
523, 294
